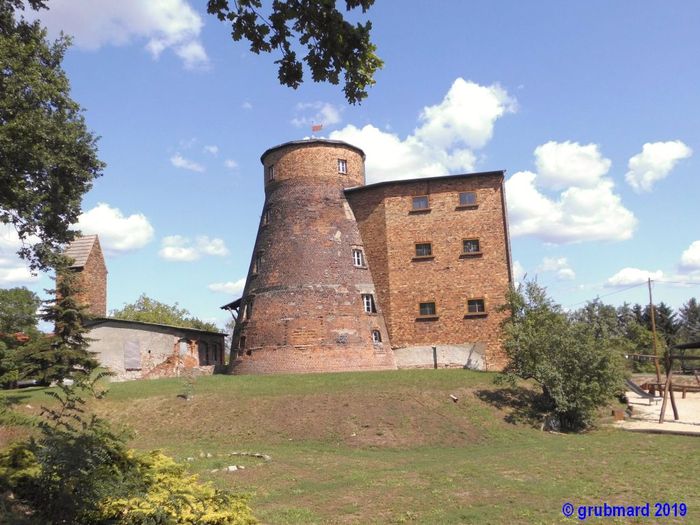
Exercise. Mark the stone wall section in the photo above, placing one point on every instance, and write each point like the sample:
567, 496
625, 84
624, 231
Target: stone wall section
93, 282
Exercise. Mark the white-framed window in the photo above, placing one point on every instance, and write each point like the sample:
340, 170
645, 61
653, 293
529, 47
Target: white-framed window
271, 172
342, 166
358, 257
376, 336
421, 203
368, 303
471, 246
476, 306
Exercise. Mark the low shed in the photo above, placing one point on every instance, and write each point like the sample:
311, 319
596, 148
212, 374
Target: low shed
138, 350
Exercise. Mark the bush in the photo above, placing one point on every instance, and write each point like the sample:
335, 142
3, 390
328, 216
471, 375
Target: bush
577, 365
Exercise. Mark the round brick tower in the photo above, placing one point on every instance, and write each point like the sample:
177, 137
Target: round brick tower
309, 303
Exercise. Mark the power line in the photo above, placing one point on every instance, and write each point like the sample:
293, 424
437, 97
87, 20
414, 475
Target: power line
609, 294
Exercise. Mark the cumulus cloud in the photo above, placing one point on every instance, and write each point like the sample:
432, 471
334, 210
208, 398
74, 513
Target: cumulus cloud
118, 233
654, 163
558, 265
179, 161
163, 24
632, 276
690, 259
518, 271
231, 164
13, 270
310, 113
444, 140
211, 149
587, 210
229, 287
183, 249
247, 105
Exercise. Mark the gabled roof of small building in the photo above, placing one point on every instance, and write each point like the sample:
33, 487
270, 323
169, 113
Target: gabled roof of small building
79, 250
124, 322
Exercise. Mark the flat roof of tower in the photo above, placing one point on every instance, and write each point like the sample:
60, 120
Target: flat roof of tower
311, 141
421, 179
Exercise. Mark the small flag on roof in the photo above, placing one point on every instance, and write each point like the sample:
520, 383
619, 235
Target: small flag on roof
316, 127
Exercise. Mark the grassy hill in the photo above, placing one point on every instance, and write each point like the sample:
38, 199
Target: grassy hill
392, 447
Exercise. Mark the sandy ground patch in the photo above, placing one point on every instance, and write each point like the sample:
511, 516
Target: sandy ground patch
646, 417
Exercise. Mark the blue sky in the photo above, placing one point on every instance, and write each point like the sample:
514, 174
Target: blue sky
591, 107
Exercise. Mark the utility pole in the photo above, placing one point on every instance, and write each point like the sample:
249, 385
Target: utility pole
653, 332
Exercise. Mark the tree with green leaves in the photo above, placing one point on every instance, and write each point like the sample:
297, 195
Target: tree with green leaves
149, 310
576, 362
18, 310
65, 353
49, 158
333, 46
689, 321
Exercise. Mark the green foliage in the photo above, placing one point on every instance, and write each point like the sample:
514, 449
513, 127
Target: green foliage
65, 353
80, 471
18, 307
333, 45
149, 310
576, 360
49, 158
689, 320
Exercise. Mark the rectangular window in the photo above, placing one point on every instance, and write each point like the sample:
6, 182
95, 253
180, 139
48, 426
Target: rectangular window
358, 258
424, 249
248, 311
427, 309
471, 246
368, 303
342, 166
376, 336
421, 203
476, 306
266, 217
467, 198
271, 172
132, 355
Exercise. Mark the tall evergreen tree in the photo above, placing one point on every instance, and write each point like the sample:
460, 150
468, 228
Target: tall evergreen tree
689, 320
65, 353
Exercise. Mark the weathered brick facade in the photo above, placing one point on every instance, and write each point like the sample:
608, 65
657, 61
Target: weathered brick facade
304, 305
89, 263
448, 277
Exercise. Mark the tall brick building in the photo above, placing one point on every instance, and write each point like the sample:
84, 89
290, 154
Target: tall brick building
346, 276
89, 263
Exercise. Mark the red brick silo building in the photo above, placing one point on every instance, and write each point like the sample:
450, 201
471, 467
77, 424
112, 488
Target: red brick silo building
436, 248
309, 303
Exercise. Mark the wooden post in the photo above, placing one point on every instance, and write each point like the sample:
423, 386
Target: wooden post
653, 331
435, 357
663, 404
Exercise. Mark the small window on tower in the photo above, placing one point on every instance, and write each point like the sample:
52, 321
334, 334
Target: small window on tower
342, 166
376, 336
248, 311
467, 198
266, 217
257, 262
358, 258
368, 303
427, 309
421, 203
471, 247
424, 249
271, 172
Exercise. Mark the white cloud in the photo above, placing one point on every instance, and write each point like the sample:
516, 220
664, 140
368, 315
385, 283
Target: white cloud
690, 259
179, 161
229, 287
13, 270
247, 105
564, 164
587, 210
164, 24
518, 271
632, 276
117, 232
558, 265
231, 164
654, 163
211, 149
310, 113
183, 249
444, 140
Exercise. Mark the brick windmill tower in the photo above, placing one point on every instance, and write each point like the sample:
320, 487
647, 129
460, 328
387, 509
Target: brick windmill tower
309, 301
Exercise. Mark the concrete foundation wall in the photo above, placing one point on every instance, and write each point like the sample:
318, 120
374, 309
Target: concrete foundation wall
448, 356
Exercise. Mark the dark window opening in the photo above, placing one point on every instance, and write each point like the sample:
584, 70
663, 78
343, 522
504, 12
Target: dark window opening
427, 309
421, 203
424, 249
368, 303
476, 306
471, 246
467, 198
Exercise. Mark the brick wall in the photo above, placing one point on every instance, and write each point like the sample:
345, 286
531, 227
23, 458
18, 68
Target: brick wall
306, 293
448, 277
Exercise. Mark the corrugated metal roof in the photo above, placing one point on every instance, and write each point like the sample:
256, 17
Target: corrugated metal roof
80, 249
